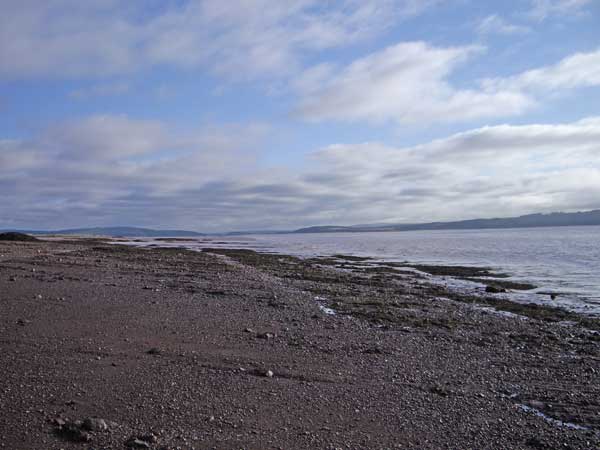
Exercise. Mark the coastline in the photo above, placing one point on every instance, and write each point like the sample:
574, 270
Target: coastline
402, 363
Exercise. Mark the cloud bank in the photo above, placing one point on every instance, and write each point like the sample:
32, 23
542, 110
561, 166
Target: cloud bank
105, 170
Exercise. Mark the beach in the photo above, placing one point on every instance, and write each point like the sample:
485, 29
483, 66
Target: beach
227, 349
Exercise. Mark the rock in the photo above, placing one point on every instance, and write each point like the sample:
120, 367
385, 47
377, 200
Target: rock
154, 351
265, 335
263, 373
248, 330
94, 424
494, 289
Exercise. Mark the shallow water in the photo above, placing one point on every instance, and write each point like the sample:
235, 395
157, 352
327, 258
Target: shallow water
561, 260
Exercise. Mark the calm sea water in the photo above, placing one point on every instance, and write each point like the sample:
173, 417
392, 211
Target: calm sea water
562, 260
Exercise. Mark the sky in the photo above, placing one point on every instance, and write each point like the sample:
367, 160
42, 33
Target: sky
214, 115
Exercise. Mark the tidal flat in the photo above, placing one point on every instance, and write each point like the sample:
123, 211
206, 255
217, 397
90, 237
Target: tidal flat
108, 346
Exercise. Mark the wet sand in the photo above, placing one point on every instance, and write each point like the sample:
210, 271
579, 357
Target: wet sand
233, 349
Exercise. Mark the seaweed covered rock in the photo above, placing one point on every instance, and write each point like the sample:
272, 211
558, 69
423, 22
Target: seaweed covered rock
17, 237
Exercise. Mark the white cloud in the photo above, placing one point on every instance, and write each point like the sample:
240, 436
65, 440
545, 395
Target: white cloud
543, 9
410, 83
495, 24
214, 178
575, 71
405, 83
238, 38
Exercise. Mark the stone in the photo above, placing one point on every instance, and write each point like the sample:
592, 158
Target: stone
154, 351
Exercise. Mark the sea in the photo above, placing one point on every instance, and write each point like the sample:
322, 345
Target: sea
563, 261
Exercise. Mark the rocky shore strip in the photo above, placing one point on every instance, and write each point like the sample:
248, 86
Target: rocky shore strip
107, 347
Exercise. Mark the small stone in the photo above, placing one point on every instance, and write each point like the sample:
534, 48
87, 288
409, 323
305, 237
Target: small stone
269, 374
248, 330
154, 351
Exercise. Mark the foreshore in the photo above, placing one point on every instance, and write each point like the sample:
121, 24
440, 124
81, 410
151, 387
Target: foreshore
227, 349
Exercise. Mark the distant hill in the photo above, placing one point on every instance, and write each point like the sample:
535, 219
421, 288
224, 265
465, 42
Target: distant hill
528, 221
117, 232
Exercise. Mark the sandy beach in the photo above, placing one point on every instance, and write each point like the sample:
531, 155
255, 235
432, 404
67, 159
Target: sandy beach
107, 347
